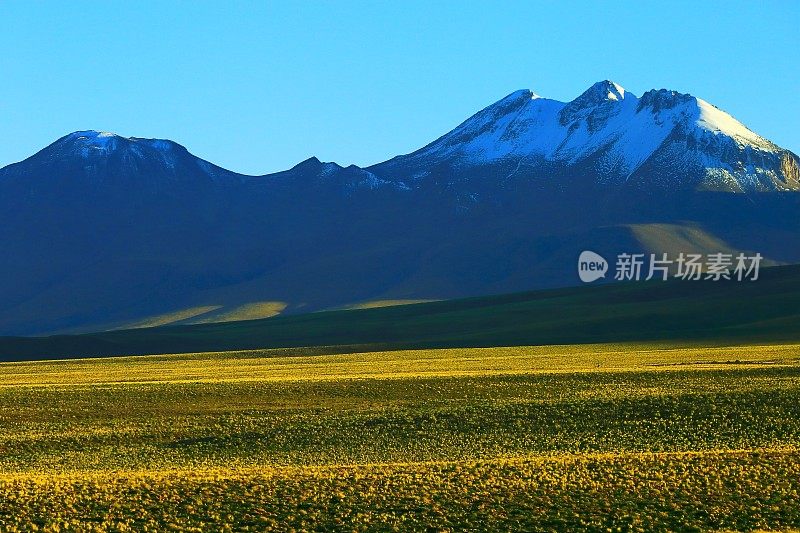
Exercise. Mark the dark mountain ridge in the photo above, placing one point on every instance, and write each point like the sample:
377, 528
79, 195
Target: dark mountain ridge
102, 231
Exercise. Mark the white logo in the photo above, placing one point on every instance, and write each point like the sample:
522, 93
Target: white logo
591, 266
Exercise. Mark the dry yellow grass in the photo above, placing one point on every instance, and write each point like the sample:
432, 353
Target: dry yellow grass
594, 437
254, 366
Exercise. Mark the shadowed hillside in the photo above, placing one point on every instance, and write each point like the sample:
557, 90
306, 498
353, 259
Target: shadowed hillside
767, 310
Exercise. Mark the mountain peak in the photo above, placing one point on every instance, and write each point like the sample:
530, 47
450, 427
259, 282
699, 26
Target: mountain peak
91, 134
313, 164
311, 161
522, 94
600, 92
91, 144
664, 139
100, 156
93, 138
659, 99
610, 89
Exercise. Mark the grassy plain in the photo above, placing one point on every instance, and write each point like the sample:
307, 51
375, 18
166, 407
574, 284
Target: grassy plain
623, 437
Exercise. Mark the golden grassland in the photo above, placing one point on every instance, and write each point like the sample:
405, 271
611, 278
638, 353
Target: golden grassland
278, 365
594, 437
647, 492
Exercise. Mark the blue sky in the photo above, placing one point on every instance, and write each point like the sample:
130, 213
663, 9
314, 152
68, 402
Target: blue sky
257, 87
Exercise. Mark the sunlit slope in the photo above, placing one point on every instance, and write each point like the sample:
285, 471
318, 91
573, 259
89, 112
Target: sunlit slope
170, 318
203, 314
372, 304
673, 239
766, 310
249, 311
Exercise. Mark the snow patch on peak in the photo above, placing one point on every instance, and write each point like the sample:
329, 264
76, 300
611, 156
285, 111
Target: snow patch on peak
90, 134
90, 142
103, 138
596, 106
515, 99
617, 92
93, 137
92, 146
717, 121
602, 91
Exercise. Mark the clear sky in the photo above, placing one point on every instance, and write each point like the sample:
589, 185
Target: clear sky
257, 87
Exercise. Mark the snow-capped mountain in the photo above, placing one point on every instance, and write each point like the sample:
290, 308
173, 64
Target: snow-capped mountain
103, 155
605, 136
100, 230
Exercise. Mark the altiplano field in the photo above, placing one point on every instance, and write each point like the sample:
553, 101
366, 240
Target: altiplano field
619, 437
